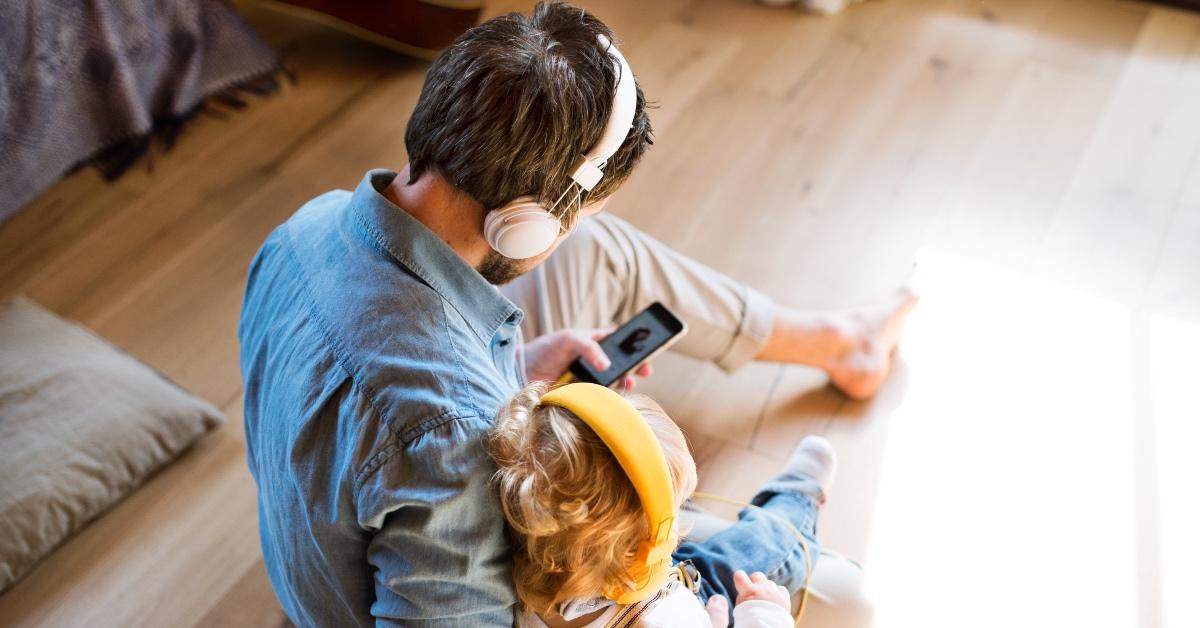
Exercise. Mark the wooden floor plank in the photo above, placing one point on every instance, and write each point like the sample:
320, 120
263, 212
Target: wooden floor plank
249, 603
709, 402
1023, 167
1113, 219
213, 267
1174, 286
679, 62
730, 471
1092, 38
859, 432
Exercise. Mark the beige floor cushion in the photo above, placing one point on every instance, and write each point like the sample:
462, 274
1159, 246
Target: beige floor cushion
81, 425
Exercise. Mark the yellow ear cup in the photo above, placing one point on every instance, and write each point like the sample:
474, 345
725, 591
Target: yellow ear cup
651, 571
640, 455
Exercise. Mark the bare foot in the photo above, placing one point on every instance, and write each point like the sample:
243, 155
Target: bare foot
855, 347
869, 337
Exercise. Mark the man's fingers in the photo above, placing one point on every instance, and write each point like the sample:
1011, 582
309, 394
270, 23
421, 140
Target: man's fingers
590, 350
718, 611
645, 370
758, 577
628, 382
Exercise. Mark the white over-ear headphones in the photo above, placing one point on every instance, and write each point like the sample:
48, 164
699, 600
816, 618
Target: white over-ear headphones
524, 228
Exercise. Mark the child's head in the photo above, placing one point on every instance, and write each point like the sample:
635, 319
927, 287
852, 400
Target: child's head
575, 516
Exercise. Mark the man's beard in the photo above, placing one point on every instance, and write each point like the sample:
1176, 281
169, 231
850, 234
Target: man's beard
499, 270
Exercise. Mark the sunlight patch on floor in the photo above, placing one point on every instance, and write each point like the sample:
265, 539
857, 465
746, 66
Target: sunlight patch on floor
1175, 385
1007, 491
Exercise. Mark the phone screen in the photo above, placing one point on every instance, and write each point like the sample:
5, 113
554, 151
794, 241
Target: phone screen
633, 343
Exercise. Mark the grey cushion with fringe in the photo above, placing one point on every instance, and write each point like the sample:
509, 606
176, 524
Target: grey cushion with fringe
81, 425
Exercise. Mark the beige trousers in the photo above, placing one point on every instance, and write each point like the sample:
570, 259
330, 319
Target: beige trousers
606, 272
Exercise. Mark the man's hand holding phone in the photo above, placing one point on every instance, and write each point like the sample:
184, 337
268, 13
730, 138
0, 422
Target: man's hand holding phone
604, 356
549, 356
632, 345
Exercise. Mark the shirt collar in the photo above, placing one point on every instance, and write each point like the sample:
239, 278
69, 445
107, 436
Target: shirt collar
423, 253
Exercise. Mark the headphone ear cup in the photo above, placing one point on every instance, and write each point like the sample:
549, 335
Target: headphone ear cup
649, 571
521, 229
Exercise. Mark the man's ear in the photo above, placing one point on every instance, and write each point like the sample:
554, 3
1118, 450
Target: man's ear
593, 208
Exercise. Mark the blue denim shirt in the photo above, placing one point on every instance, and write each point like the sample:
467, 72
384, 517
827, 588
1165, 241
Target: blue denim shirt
374, 360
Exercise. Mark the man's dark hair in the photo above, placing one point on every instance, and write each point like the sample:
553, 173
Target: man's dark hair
510, 106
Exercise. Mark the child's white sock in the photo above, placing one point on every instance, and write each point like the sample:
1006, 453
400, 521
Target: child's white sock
814, 458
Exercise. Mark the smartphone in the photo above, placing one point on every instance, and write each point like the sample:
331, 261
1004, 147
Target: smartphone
638, 340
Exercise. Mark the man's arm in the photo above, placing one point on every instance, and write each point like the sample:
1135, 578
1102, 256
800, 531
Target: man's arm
438, 550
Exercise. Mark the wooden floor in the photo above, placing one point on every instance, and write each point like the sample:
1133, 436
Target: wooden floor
1030, 463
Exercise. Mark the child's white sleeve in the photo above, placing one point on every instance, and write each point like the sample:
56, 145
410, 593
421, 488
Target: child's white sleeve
761, 614
679, 609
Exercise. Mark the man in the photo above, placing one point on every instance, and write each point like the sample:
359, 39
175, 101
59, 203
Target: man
376, 347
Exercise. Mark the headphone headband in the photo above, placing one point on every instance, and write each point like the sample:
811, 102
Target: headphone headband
640, 455
588, 170
517, 234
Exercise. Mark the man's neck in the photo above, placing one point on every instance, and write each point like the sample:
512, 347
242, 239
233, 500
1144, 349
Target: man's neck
453, 216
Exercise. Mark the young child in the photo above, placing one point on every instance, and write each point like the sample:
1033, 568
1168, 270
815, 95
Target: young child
576, 521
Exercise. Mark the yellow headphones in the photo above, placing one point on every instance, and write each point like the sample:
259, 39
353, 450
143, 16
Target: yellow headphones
640, 455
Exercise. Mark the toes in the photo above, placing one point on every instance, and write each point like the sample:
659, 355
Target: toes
859, 388
860, 375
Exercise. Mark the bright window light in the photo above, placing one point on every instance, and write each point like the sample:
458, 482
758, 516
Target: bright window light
1175, 386
1007, 482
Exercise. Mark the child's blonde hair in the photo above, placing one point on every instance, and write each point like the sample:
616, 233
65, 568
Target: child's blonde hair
575, 517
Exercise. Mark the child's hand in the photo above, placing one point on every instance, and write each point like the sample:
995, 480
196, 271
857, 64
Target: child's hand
718, 611
757, 587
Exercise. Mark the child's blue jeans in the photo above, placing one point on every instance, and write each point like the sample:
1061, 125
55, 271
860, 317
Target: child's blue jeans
759, 542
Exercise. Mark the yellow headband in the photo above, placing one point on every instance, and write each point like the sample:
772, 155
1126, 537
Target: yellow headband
640, 455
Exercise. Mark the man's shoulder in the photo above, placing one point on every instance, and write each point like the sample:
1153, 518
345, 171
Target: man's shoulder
328, 299
333, 199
